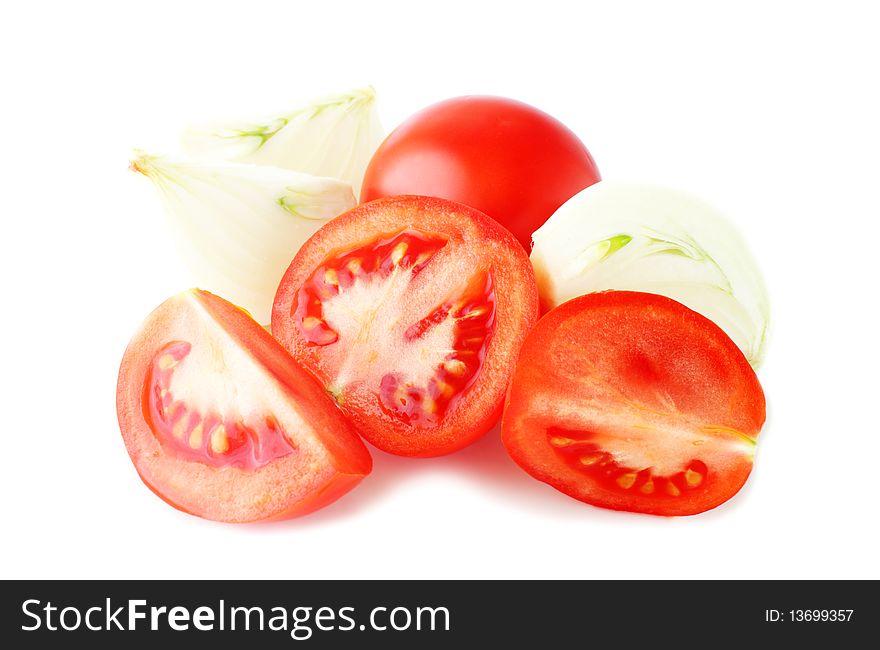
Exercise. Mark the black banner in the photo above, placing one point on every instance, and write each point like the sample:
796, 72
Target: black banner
436, 614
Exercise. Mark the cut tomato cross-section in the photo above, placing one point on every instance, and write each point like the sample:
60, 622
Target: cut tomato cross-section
410, 310
222, 423
632, 401
218, 437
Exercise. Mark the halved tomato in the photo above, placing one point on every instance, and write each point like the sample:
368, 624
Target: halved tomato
411, 311
220, 422
632, 401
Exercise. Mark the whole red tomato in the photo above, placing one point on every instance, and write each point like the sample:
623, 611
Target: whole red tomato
505, 158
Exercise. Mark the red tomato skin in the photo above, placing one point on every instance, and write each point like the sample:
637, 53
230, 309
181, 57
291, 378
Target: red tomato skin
518, 310
744, 407
351, 460
505, 158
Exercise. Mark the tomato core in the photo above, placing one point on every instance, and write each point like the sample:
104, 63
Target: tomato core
405, 251
359, 297
579, 451
213, 438
474, 317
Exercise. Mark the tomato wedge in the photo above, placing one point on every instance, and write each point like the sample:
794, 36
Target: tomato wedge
411, 311
632, 401
221, 423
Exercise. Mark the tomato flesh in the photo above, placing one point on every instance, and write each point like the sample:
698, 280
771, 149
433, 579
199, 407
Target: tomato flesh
454, 335
222, 423
213, 438
581, 452
473, 315
401, 326
632, 401
357, 270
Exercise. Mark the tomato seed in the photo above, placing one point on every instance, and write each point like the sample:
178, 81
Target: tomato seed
179, 428
354, 266
166, 362
219, 440
692, 478
455, 367
398, 252
626, 481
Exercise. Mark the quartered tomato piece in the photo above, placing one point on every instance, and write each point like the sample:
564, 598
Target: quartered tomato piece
220, 422
411, 311
632, 401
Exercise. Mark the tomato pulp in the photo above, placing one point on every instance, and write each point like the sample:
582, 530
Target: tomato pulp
220, 422
411, 311
632, 401
505, 158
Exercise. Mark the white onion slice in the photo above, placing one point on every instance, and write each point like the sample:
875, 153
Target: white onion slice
656, 240
238, 226
333, 136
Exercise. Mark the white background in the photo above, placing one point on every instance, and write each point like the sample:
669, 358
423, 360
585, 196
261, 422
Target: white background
769, 110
